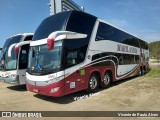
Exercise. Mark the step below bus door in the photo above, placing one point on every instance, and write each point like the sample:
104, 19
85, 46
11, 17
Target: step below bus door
22, 76
75, 81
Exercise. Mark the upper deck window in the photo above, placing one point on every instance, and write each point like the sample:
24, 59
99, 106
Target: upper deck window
108, 32
51, 24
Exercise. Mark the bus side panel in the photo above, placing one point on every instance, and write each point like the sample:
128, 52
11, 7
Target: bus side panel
78, 80
101, 70
72, 83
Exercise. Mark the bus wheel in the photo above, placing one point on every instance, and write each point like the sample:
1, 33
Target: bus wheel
93, 83
106, 80
140, 71
144, 71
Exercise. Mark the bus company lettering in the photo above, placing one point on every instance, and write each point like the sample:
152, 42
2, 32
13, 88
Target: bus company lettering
51, 76
6, 74
125, 48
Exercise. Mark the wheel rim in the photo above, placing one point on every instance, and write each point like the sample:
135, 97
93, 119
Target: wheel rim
93, 83
140, 72
106, 79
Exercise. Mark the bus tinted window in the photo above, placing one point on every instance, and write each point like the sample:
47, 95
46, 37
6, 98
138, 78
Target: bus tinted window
132, 41
12, 40
143, 45
23, 59
51, 24
108, 32
146, 46
75, 49
28, 38
81, 23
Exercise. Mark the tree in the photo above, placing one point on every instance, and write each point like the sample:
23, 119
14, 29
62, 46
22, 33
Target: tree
158, 55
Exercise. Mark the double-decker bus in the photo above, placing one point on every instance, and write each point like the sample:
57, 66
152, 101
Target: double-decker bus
13, 66
73, 51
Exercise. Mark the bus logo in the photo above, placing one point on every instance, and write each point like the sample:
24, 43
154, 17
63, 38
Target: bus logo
38, 67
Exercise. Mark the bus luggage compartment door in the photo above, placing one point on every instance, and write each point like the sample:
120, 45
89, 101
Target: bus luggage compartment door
75, 82
71, 83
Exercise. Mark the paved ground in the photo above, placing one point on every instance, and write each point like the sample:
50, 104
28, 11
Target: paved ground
135, 94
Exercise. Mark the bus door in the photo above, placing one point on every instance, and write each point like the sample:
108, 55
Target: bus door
23, 63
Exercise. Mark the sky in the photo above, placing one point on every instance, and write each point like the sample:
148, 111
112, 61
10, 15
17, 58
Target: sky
138, 17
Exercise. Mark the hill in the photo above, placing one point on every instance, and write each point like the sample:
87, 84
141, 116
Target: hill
154, 50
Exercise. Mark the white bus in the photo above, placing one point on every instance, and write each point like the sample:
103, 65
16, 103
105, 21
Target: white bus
73, 51
13, 66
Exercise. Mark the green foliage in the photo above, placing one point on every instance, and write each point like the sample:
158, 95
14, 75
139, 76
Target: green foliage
154, 72
154, 50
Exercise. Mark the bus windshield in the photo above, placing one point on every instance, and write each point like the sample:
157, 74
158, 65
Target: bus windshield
43, 61
9, 62
1, 62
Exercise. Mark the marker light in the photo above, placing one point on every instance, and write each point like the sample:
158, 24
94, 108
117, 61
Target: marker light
50, 43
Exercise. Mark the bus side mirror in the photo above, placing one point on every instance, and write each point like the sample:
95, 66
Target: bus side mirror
16, 50
50, 43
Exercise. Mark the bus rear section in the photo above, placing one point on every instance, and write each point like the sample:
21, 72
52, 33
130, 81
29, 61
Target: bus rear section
80, 52
14, 65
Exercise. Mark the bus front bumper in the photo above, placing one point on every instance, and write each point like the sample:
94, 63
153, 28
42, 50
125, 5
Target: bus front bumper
10, 80
54, 89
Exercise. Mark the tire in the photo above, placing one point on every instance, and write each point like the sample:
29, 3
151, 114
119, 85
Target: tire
106, 80
144, 70
93, 84
140, 72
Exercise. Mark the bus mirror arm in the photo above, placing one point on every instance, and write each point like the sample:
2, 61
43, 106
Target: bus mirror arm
66, 35
59, 35
10, 49
16, 47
